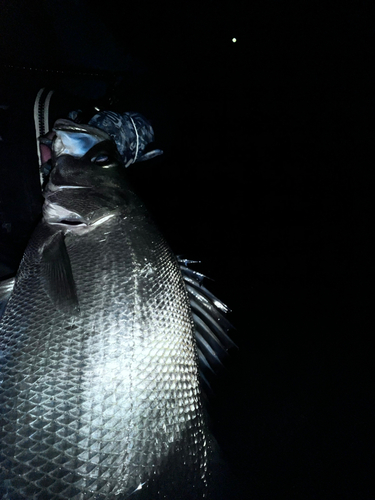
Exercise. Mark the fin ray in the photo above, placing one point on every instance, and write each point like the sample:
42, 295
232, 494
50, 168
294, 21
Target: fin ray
57, 275
211, 325
6, 289
212, 321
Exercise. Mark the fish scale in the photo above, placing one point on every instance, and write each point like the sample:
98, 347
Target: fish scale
106, 395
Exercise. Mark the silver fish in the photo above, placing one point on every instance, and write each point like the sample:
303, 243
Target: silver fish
99, 387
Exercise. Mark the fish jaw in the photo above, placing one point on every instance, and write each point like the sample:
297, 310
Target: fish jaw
54, 213
74, 139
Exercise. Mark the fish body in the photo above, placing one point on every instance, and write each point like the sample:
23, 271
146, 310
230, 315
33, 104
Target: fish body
99, 392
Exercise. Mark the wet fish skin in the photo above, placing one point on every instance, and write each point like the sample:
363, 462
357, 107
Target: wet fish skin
99, 393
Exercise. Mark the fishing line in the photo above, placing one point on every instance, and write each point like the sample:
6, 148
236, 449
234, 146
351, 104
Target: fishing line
136, 133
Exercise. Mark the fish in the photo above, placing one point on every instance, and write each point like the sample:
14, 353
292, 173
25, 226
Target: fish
105, 338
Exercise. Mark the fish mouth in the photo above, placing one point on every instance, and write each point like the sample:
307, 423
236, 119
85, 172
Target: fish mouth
57, 185
75, 139
70, 222
53, 188
65, 124
70, 126
54, 213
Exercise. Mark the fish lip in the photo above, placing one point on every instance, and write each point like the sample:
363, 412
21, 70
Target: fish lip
68, 126
53, 188
64, 125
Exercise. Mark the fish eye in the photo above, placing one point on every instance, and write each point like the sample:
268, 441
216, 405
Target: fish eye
100, 159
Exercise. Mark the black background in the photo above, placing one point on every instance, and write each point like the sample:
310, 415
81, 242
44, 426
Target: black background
267, 177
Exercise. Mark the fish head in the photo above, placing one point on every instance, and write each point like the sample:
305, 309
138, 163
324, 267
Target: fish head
83, 155
88, 177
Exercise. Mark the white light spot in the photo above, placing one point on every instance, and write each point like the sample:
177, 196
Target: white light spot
139, 487
102, 219
234, 40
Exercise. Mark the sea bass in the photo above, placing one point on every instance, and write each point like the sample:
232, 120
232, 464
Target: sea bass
99, 388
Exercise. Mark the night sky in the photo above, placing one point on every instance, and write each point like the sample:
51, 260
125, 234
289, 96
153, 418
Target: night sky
267, 178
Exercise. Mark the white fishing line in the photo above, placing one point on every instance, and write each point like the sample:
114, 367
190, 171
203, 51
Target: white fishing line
136, 133
46, 110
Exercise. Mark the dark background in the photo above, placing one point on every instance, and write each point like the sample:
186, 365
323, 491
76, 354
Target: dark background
267, 177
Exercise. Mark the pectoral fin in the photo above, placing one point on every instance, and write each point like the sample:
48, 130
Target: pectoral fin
57, 275
211, 325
